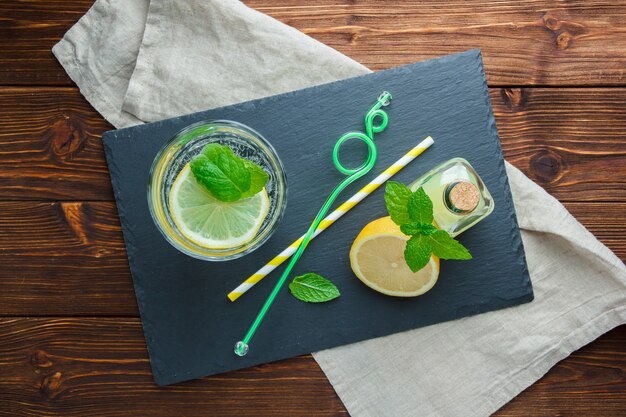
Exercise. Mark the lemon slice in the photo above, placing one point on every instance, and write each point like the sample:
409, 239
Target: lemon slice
211, 223
377, 259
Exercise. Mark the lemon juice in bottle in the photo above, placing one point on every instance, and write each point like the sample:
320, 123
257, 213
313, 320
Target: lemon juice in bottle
460, 198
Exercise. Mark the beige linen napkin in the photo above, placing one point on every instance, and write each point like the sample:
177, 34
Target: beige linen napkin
147, 60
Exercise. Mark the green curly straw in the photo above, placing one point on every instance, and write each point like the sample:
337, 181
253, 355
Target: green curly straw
241, 347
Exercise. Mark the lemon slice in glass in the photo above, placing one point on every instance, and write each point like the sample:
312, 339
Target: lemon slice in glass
211, 223
377, 259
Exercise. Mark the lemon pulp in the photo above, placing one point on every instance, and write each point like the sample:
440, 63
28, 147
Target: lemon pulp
211, 223
377, 259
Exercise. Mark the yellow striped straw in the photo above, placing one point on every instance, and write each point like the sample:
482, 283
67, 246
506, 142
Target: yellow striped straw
332, 217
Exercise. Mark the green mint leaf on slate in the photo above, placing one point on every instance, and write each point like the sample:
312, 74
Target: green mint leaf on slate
411, 229
417, 252
420, 207
258, 178
447, 247
225, 175
313, 288
397, 197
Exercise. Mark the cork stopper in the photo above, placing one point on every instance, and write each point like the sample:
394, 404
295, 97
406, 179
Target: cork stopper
462, 196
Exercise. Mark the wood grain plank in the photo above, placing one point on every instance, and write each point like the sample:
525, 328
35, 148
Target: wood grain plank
28, 31
571, 141
523, 42
99, 367
530, 42
50, 146
69, 258
58, 258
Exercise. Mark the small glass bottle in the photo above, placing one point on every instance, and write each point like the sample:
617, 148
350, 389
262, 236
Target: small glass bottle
460, 198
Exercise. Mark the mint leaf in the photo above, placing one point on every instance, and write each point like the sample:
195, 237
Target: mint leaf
417, 229
212, 150
258, 178
225, 176
397, 197
447, 247
417, 252
313, 288
420, 207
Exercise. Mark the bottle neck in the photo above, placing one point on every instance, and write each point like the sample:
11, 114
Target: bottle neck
461, 197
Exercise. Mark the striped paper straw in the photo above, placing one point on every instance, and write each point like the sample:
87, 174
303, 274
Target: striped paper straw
332, 217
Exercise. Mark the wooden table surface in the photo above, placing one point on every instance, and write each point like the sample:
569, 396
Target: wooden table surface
70, 338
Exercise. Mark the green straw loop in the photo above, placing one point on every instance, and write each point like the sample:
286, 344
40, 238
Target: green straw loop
241, 347
371, 153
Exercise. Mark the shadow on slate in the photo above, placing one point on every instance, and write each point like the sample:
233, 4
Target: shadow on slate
191, 327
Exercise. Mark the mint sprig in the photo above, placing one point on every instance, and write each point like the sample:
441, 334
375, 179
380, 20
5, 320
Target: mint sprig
413, 212
225, 175
313, 288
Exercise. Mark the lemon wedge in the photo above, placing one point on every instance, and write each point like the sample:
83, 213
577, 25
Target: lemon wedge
377, 259
211, 223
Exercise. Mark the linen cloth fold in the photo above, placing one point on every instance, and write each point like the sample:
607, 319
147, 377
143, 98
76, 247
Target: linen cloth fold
148, 60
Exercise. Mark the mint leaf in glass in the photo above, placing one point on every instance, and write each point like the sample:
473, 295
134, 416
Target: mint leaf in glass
225, 175
446, 247
258, 178
417, 252
397, 197
212, 150
420, 207
313, 288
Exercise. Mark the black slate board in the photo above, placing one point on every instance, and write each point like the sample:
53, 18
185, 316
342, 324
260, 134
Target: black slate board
189, 324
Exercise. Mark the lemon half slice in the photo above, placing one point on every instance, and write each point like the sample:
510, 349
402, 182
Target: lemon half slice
377, 259
211, 223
